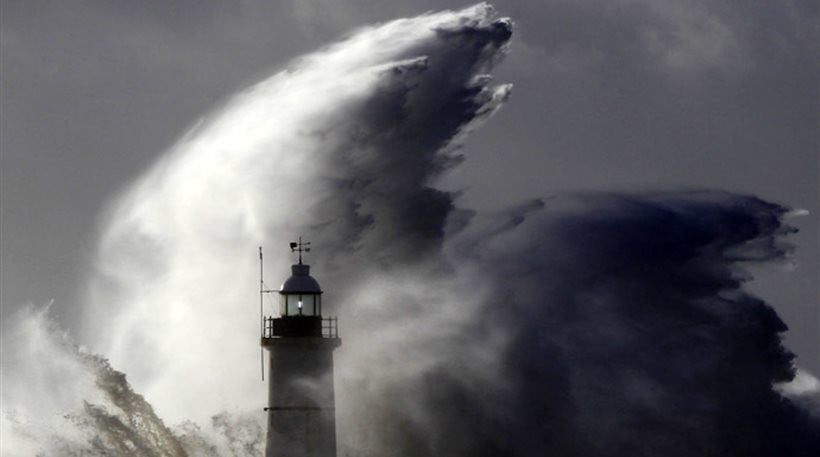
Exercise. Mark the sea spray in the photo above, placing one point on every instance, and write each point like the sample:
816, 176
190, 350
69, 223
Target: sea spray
592, 325
92, 410
345, 138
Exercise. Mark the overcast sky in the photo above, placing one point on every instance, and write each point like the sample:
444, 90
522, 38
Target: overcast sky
624, 94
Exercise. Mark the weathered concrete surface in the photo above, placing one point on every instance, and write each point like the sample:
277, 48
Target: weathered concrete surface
301, 400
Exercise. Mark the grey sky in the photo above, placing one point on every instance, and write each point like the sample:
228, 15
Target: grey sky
608, 95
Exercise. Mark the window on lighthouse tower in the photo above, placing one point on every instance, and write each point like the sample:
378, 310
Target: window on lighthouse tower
300, 304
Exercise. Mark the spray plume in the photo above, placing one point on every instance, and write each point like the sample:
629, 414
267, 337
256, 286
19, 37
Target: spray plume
302, 152
597, 325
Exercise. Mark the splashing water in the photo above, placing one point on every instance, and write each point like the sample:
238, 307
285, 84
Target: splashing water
302, 152
171, 300
96, 413
597, 325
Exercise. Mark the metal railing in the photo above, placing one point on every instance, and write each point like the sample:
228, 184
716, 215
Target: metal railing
267, 328
330, 327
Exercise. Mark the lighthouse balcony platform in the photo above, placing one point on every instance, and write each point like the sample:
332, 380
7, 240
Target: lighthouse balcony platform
300, 327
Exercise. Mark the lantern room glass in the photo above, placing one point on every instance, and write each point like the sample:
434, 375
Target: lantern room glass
300, 304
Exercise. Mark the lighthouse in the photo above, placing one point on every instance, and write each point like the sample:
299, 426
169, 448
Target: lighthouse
300, 342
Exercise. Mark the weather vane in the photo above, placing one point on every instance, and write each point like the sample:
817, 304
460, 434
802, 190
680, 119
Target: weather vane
300, 247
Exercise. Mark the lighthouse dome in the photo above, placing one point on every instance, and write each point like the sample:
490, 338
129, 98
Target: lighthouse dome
300, 282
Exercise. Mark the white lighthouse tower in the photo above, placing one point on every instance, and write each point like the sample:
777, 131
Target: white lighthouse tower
300, 343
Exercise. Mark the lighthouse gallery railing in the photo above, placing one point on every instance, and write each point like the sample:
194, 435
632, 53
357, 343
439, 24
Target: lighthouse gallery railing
330, 327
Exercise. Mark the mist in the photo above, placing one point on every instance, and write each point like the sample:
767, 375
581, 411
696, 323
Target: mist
589, 324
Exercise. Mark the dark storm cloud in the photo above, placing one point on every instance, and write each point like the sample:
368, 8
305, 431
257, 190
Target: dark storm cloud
636, 298
627, 333
652, 94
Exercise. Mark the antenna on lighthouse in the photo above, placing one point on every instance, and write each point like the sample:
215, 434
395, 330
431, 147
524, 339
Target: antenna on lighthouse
261, 315
262, 292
